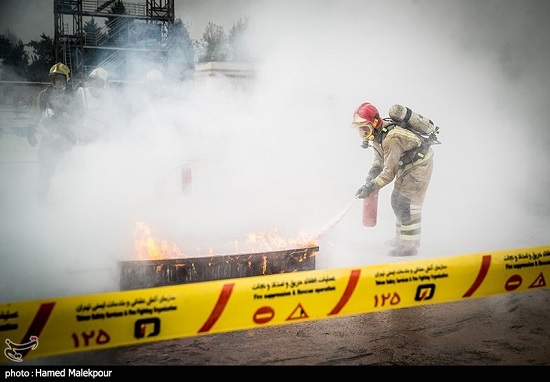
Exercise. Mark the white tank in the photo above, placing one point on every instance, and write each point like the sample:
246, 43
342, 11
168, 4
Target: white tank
408, 118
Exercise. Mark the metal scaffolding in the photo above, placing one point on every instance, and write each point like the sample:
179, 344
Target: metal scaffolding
118, 39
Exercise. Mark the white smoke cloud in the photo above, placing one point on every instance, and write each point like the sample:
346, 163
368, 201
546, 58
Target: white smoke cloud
281, 155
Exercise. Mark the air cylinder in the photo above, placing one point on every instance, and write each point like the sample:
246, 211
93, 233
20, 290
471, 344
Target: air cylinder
407, 118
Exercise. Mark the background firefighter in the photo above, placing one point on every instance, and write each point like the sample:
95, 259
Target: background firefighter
399, 154
100, 107
56, 118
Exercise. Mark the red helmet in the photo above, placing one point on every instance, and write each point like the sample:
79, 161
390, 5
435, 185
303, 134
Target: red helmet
367, 119
369, 113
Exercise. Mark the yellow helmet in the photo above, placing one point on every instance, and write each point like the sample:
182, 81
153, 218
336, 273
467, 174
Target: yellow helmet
60, 68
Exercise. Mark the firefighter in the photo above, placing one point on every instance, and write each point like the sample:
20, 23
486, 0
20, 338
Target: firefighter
98, 104
400, 155
56, 118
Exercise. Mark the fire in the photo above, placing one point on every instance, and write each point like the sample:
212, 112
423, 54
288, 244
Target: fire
266, 254
149, 248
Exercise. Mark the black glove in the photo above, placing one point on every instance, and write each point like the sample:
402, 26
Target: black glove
373, 173
365, 144
365, 190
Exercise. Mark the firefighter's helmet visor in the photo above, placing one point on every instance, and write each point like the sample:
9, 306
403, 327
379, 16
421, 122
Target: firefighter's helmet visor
58, 80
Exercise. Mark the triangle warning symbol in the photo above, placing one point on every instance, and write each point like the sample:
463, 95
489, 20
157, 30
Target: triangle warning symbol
539, 282
298, 313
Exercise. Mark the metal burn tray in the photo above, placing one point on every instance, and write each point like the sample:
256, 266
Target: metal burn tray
141, 274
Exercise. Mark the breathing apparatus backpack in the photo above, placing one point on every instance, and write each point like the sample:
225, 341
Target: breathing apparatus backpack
423, 127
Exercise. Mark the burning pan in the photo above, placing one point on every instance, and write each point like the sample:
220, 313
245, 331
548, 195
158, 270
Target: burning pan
141, 274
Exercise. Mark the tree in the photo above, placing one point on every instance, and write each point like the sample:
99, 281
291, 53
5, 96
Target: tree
42, 58
238, 50
181, 56
14, 60
214, 44
117, 27
94, 36
93, 32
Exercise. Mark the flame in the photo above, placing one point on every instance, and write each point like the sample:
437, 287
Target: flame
149, 248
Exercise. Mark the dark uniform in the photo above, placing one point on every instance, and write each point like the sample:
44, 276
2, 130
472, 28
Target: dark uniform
57, 116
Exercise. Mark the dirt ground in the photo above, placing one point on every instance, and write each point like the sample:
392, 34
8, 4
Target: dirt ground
500, 330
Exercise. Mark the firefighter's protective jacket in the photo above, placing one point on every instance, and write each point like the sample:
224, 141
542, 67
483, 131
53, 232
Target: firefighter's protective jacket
397, 153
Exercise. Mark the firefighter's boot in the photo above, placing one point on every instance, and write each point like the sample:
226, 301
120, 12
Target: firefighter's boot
403, 251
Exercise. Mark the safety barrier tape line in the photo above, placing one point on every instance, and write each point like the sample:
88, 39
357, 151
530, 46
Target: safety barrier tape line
33, 329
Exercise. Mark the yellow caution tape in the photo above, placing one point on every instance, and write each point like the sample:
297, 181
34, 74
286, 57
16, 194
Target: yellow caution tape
32, 329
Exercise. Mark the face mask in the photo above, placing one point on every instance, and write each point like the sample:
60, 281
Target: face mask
366, 130
58, 82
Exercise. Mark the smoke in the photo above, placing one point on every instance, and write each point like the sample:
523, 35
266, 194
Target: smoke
278, 154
